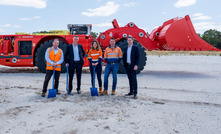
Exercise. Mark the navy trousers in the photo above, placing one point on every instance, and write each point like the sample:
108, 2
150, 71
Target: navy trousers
98, 70
132, 76
78, 67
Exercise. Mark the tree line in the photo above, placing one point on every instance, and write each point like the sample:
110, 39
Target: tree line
212, 37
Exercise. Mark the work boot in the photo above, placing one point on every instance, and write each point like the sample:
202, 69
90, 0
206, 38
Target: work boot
113, 92
58, 93
43, 94
104, 92
100, 90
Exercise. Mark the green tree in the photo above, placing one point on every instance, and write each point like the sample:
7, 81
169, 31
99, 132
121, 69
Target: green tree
94, 34
212, 37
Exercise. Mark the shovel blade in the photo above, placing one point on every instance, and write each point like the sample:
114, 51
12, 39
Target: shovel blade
68, 91
52, 93
94, 91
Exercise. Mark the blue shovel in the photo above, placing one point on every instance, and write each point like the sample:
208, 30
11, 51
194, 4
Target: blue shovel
52, 92
67, 83
94, 91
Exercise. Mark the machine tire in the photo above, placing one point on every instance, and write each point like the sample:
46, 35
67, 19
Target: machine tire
40, 55
122, 44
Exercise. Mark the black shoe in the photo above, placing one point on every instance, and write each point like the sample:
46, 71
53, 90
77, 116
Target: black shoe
129, 94
79, 91
135, 96
43, 95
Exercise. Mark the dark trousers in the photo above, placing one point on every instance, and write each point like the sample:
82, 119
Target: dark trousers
78, 67
48, 75
98, 70
132, 76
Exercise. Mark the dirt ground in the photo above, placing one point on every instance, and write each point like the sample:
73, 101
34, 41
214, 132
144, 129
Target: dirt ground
176, 94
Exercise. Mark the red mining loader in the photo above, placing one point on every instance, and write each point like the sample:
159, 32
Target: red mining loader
25, 50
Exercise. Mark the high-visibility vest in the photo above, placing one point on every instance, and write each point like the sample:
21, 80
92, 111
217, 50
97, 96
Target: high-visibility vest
113, 55
54, 58
94, 55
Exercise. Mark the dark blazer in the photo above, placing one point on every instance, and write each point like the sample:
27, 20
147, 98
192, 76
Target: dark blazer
69, 55
135, 56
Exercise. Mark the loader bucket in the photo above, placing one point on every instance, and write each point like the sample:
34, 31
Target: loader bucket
178, 34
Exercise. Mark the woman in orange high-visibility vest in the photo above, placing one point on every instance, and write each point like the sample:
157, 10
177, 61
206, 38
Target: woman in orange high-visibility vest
95, 58
54, 57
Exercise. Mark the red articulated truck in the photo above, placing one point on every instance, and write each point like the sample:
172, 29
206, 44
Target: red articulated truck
25, 50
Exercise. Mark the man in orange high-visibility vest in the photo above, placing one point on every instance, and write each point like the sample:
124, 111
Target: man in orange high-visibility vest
112, 56
54, 57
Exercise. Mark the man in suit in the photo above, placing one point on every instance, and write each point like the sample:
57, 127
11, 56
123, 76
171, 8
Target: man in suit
74, 57
131, 58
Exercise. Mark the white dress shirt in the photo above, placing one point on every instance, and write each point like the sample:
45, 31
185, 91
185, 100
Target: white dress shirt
76, 52
129, 53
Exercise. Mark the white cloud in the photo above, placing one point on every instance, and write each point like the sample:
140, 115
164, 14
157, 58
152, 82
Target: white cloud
203, 26
101, 27
25, 3
5, 25
144, 28
36, 17
184, 3
16, 26
130, 4
107, 10
9, 25
200, 16
106, 24
2, 30
27, 19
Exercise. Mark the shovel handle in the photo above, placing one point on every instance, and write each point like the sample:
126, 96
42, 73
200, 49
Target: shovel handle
67, 77
53, 78
94, 76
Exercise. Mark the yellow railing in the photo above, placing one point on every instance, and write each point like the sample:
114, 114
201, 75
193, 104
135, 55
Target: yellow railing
54, 32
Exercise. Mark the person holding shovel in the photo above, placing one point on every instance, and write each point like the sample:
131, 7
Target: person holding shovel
95, 58
54, 57
74, 59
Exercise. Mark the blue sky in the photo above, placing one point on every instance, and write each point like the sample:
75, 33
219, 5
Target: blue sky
37, 15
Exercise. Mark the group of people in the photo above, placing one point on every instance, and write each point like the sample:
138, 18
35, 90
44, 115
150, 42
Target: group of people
74, 60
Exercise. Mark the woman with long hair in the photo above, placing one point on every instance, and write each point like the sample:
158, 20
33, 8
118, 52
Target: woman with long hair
95, 58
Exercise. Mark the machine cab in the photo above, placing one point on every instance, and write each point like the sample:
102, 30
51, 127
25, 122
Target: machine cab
84, 29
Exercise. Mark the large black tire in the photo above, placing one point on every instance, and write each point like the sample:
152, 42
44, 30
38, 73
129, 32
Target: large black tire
122, 44
40, 55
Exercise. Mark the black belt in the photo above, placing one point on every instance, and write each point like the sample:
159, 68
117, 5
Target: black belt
112, 63
77, 61
129, 64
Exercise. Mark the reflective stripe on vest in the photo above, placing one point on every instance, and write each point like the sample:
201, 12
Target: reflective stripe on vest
94, 55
